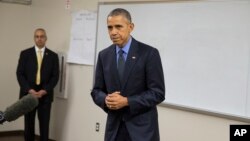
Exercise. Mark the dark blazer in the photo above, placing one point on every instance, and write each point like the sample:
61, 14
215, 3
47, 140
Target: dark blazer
143, 85
27, 69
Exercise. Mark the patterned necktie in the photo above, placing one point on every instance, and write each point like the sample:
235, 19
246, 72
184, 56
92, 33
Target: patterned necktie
39, 63
121, 63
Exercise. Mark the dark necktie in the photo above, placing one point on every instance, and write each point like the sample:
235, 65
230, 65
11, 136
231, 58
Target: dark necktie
121, 63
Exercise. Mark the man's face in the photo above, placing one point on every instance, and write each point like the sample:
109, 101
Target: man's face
40, 38
119, 29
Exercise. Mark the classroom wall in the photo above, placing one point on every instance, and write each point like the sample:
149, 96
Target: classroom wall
74, 118
15, 35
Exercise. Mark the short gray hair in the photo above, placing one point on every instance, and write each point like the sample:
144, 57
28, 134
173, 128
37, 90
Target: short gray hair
121, 11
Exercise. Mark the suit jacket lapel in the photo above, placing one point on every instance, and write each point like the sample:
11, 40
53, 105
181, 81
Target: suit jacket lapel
33, 55
133, 56
45, 58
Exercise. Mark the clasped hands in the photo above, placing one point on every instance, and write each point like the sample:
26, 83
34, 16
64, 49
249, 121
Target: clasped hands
37, 94
115, 101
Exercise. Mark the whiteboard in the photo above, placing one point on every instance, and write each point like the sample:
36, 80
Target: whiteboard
204, 47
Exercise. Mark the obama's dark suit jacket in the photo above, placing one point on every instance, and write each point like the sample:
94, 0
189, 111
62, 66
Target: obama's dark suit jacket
143, 85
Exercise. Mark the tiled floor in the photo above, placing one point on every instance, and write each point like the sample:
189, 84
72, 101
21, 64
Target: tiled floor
12, 138
15, 136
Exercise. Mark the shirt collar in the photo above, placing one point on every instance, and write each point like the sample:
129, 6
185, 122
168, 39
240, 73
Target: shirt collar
126, 47
37, 49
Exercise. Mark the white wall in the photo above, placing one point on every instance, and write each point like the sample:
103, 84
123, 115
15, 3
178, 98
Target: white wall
74, 119
15, 35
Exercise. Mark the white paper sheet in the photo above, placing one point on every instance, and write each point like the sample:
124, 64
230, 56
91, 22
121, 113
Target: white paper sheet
83, 34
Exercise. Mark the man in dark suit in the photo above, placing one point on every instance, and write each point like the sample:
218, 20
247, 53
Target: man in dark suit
129, 83
37, 74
